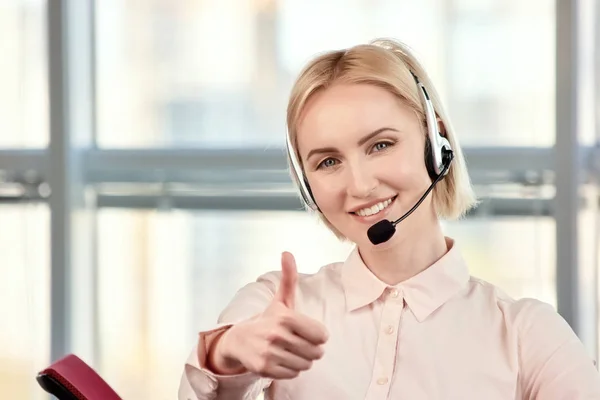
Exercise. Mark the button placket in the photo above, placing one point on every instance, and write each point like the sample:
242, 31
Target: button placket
387, 344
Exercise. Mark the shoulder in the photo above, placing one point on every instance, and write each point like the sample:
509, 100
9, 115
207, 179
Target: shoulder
326, 275
535, 322
523, 314
553, 361
529, 316
490, 294
539, 324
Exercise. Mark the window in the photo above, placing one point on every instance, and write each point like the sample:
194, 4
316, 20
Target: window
23, 74
217, 74
25, 305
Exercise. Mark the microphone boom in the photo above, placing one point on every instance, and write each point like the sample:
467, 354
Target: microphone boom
383, 230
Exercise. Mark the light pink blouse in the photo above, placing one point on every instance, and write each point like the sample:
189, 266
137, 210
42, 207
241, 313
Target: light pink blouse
439, 335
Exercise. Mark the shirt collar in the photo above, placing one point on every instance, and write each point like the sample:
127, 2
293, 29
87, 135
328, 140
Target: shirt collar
423, 293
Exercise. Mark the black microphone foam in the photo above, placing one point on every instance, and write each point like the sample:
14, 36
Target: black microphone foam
381, 231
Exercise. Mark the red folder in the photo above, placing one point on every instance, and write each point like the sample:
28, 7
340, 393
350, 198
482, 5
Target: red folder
72, 379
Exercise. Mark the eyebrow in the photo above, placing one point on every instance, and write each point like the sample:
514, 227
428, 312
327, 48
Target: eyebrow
361, 142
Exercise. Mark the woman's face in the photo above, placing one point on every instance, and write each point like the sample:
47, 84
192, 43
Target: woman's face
363, 154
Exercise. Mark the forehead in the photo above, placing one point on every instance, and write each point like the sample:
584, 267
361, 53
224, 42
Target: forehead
350, 110
347, 104
344, 111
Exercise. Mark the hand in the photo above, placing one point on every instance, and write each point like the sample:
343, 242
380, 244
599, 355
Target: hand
280, 342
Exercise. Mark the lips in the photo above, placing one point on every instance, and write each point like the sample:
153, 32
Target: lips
374, 210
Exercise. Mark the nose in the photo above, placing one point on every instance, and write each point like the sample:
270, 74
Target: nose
360, 181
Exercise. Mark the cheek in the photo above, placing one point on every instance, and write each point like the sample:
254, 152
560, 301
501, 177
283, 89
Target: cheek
409, 178
327, 192
404, 173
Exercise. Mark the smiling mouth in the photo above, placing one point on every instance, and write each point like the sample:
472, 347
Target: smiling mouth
376, 209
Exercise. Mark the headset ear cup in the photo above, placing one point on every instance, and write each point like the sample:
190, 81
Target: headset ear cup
310, 197
429, 160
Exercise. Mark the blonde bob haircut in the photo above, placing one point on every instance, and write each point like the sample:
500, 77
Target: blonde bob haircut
387, 64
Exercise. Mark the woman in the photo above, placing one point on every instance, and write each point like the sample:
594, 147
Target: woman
400, 318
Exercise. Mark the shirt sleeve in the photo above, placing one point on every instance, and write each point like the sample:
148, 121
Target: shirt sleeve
554, 363
197, 381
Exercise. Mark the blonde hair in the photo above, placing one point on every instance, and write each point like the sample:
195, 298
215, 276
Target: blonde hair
387, 64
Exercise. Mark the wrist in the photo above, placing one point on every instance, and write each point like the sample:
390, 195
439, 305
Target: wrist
220, 360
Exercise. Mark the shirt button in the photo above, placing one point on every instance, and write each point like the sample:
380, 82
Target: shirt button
382, 381
389, 330
394, 293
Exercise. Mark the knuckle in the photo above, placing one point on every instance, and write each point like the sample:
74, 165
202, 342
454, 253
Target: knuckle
307, 365
314, 353
261, 366
284, 319
273, 336
257, 366
319, 352
290, 374
266, 354
322, 334
322, 337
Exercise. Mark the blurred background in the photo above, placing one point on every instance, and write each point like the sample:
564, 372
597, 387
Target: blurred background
143, 177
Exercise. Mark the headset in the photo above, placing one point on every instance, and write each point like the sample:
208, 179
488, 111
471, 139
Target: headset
438, 152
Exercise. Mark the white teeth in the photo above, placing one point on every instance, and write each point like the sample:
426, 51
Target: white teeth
365, 212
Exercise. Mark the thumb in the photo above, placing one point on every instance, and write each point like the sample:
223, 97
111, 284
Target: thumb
289, 277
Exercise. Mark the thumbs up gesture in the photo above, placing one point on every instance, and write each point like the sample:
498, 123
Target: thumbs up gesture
280, 342
289, 279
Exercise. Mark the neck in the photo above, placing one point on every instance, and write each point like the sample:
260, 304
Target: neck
410, 251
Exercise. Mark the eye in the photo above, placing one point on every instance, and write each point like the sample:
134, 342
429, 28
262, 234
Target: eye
379, 146
327, 163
